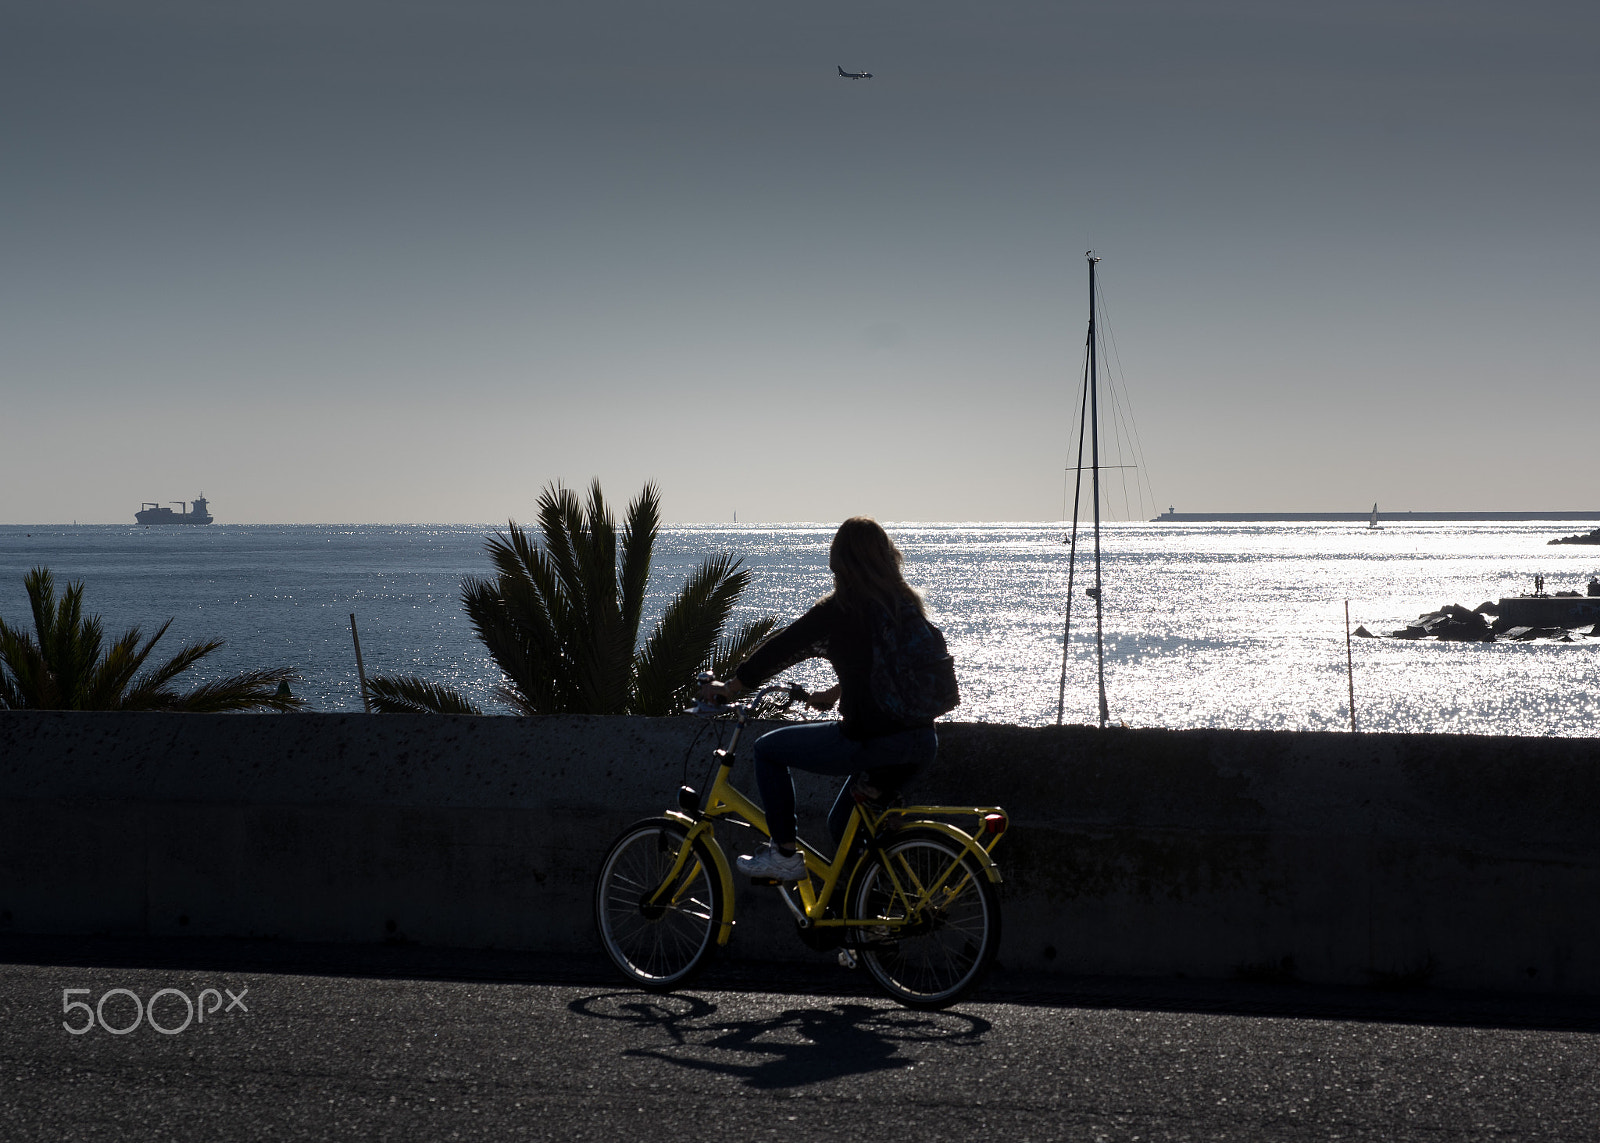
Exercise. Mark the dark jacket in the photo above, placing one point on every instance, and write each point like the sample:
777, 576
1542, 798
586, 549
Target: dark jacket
828, 631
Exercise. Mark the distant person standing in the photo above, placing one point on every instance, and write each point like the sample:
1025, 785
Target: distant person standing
1594, 585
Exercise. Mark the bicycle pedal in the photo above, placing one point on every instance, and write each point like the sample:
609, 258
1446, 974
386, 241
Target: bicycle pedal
848, 959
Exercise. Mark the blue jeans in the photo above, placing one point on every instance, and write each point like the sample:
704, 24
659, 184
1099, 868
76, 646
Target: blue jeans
822, 748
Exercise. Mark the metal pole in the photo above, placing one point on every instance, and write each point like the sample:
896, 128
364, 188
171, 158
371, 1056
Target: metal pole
1350, 666
361, 672
1072, 555
1094, 436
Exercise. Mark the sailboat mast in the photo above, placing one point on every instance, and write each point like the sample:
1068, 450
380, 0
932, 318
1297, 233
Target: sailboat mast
1072, 540
1094, 438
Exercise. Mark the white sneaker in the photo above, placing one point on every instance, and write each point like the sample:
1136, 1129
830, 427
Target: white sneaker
770, 861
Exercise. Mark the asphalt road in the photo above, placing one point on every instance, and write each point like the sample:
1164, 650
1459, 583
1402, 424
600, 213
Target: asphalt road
422, 1051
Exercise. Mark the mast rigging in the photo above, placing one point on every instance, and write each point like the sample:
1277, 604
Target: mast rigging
1090, 403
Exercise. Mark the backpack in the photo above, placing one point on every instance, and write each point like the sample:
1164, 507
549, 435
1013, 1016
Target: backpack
913, 676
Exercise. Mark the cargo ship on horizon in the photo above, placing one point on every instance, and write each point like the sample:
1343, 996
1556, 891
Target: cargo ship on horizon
153, 513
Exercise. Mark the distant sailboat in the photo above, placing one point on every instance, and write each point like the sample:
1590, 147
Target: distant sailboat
1372, 524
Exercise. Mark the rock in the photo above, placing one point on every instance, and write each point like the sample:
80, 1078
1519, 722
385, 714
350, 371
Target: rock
1524, 634
1452, 631
1364, 633
1452, 623
1487, 607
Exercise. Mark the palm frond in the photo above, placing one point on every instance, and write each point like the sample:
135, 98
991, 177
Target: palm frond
111, 675
149, 691
560, 523
40, 584
543, 604
592, 634
536, 605
408, 694
69, 643
10, 694
115, 675
45, 665
596, 546
609, 665
24, 676
520, 625
518, 641
684, 641
639, 531
735, 649
515, 700
67, 669
19, 665
248, 690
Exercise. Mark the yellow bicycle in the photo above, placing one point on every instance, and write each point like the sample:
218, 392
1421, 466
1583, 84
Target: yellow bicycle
909, 895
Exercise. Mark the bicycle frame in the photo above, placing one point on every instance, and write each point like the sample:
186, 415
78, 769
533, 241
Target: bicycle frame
724, 800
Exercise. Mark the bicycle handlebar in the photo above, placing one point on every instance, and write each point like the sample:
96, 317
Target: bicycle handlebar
791, 692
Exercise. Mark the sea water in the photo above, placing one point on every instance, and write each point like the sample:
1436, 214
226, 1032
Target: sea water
1222, 625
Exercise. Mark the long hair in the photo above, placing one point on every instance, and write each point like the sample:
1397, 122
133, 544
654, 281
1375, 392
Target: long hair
866, 568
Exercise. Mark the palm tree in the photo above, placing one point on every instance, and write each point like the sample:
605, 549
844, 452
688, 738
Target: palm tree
562, 620
63, 665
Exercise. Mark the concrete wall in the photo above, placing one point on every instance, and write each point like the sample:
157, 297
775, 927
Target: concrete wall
1375, 859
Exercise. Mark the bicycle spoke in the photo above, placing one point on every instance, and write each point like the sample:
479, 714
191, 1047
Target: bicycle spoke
941, 944
657, 927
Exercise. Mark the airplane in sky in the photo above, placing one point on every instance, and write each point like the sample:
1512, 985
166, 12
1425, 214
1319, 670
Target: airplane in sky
853, 74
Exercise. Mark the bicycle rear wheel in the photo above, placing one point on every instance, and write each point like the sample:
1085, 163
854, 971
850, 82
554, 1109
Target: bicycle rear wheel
657, 946
938, 952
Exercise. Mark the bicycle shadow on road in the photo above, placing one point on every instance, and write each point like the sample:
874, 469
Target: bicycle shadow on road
791, 1048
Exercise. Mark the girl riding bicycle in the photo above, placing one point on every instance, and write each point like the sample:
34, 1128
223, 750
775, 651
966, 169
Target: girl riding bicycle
879, 751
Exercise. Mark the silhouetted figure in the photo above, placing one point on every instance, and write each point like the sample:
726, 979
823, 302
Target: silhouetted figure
1594, 585
875, 749
1538, 585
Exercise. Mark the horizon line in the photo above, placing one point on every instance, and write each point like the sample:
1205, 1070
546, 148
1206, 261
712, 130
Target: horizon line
1249, 516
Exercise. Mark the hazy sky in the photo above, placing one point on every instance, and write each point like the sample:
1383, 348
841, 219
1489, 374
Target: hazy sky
407, 261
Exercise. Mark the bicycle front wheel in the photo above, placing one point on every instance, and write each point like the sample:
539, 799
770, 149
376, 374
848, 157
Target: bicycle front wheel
940, 930
657, 935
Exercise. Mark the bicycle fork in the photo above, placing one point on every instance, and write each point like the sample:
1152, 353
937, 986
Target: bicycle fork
684, 867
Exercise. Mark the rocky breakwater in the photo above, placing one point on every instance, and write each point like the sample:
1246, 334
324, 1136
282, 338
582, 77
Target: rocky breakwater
1582, 538
1562, 618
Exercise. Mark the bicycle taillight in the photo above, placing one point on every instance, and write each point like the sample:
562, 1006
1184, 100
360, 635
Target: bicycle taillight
995, 823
